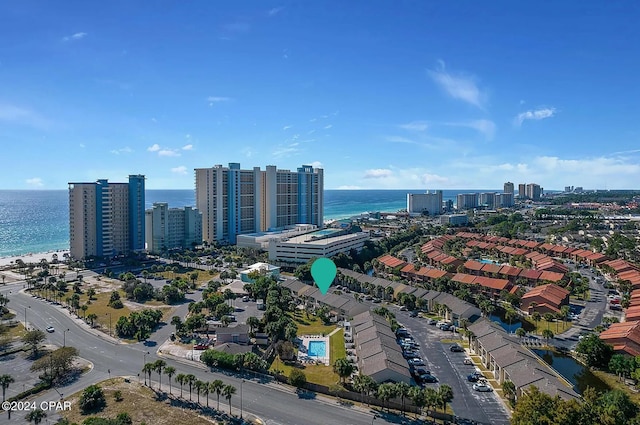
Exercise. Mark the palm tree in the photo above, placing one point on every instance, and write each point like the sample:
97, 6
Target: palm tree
5, 381
36, 416
147, 369
386, 392
228, 391
431, 398
190, 379
402, 390
536, 318
169, 371
198, 385
158, 366
547, 334
520, 332
445, 394
181, 379
216, 387
92, 318
205, 389
548, 317
419, 397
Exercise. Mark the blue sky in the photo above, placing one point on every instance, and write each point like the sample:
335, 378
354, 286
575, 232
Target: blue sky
381, 94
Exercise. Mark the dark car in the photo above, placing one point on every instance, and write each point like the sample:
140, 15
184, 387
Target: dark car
429, 379
474, 377
413, 314
456, 348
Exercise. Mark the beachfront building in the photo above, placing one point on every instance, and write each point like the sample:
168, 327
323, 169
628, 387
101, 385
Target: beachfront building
522, 190
424, 203
235, 201
172, 228
106, 219
466, 201
508, 188
321, 243
260, 240
487, 200
533, 191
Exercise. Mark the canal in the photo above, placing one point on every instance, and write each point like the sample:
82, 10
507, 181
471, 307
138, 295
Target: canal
573, 371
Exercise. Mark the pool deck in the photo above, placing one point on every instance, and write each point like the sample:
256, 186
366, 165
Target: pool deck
303, 353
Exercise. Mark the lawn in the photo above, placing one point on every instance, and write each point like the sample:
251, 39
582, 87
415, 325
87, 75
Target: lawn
14, 331
337, 349
140, 402
311, 325
318, 374
100, 307
615, 384
556, 327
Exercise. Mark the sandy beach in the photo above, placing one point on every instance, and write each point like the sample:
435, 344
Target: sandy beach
35, 257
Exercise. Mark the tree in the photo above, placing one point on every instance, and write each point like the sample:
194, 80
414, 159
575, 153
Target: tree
92, 399
5, 381
548, 317
169, 371
33, 339
147, 369
92, 318
547, 334
158, 366
535, 407
297, 378
199, 385
445, 394
509, 390
253, 323
190, 379
386, 392
596, 352
536, 318
520, 332
419, 397
228, 391
36, 416
343, 368
402, 390
216, 387
180, 379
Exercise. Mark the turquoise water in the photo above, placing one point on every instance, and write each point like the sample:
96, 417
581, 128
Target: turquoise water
324, 232
486, 261
317, 348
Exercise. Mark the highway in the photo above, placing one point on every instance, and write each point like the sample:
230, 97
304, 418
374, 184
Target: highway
274, 404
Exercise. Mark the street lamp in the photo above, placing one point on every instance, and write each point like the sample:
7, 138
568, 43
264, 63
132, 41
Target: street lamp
25, 318
109, 313
64, 338
144, 362
241, 382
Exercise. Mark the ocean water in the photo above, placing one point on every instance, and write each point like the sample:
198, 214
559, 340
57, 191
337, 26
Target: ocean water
38, 220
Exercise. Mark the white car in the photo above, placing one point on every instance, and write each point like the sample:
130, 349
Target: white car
50, 329
482, 387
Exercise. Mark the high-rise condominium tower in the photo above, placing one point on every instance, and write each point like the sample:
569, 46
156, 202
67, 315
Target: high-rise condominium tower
508, 187
106, 219
235, 201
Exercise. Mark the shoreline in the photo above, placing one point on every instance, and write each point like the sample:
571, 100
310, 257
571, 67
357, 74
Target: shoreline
33, 257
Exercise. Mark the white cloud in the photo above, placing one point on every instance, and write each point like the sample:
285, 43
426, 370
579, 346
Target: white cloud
327, 127
168, 152
457, 86
19, 115
535, 114
415, 126
82, 145
121, 150
400, 139
287, 127
275, 11
154, 148
154, 120
218, 99
349, 187
179, 170
377, 173
76, 36
248, 152
428, 179
316, 164
35, 182
187, 147
485, 127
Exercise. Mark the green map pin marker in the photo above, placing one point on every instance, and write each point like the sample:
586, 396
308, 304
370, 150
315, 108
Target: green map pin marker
323, 271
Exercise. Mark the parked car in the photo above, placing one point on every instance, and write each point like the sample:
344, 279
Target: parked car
482, 387
467, 361
416, 362
377, 300
245, 299
456, 348
429, 379
50, 329
431, 322
403, 308
474, 377
200, 347
413, 314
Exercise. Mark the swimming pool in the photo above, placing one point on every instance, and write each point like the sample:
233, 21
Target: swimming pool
487, 261
317, 349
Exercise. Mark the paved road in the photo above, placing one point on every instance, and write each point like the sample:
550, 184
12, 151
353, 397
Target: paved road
449, 369
274, 404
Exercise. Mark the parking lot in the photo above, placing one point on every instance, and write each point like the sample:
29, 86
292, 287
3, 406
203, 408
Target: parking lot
449, 368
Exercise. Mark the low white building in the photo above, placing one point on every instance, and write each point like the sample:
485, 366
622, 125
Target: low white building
262, 268
260, 240
322, 243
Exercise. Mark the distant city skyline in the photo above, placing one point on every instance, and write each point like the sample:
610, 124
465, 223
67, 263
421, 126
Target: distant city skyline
381, 95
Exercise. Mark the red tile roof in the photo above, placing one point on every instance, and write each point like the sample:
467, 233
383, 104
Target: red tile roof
551, 276
530, 274
473, 265
552, 293
624, 336
491, 268
391, 261
493, 283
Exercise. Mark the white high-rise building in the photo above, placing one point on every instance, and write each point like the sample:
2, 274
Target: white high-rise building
170, 228
420, 203
235, 201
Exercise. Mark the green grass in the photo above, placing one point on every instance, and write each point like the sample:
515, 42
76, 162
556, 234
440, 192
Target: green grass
337, 349
614, 383
312, 325
556, 327
318, 374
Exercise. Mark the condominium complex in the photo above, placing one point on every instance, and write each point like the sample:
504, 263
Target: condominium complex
467, 201
508, 188
235, 201
321, 243
106, 219
171, 228
533, 191
487, 200
425, 203
522, 190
